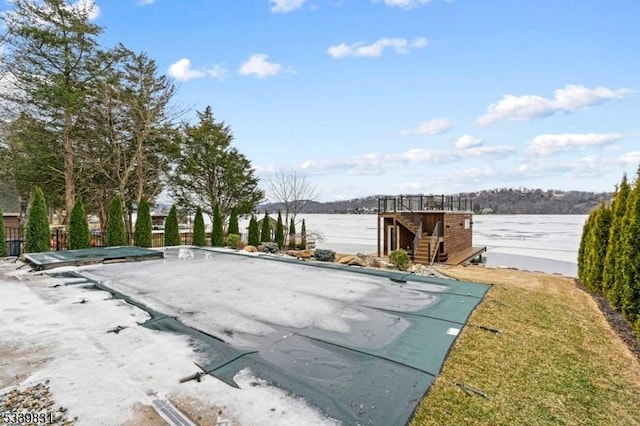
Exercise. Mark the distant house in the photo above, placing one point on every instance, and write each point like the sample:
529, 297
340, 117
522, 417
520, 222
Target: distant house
157, 220
11, 206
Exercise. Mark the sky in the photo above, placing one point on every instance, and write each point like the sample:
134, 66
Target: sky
368, 97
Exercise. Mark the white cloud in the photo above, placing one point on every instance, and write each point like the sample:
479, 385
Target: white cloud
419, 155
374, 50
631, 158
260, 66
468, 141
285, 6
89, 7
379, 163
404, 4
430, 127
146, 2
181, 70
544, 145
219, 72
483, 151
569, 99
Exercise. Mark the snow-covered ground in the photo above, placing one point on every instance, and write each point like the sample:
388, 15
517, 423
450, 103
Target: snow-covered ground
100, 377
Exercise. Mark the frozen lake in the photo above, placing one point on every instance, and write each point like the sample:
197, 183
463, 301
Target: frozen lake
534, 242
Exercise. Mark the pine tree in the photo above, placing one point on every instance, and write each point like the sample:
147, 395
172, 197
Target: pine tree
217, 235
233, 222
142, 236
630, 257
79, 236
171, 230
265, 233
3, 244
254, 233
116, 232
303, 236
37, 234
280, 232
199, 237
292, 235
610, 273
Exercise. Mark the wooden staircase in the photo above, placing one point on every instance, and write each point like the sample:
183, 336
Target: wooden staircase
409, 221
429, 251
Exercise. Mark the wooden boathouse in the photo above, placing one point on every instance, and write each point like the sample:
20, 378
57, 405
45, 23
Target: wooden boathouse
431, 228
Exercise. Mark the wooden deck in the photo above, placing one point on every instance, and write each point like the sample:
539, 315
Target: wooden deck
463, 256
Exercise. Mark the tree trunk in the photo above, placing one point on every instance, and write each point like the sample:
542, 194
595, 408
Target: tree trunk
69, 184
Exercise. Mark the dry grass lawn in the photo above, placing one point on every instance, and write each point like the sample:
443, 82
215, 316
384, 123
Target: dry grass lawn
555, 361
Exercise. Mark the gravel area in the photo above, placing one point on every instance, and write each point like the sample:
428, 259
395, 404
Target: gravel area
36, 399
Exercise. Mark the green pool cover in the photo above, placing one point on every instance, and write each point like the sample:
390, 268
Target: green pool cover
378, 379
54, 259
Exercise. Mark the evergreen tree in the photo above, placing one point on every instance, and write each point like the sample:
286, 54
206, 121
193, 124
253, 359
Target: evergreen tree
598, 241
303, 236
630, 257
610, 273
3, 244
51, 49
171, 230
142, 235
37, 234
210, 171
265, 233
233, 222
254, 233
583, 249
217, 234
292, 235
116, 232
199, 237
79, 236
280, 232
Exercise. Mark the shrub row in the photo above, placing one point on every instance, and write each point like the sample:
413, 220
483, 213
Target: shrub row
609, 252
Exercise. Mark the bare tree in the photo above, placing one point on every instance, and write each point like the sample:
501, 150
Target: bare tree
293, 190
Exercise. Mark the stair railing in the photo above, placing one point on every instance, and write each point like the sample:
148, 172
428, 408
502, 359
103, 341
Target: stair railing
435, 240
416, 240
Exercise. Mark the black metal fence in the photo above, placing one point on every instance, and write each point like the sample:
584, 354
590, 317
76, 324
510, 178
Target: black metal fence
59, 240
414, 203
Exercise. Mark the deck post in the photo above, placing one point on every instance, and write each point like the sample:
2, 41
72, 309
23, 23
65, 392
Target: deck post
379, 218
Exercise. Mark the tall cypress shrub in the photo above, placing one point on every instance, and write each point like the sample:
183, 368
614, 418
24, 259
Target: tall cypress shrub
116, 232
217, 237
79, 236
37, 234
171, 230
233, 222
610, 272
303, 236
142, 237
3, 243
280, 232
199, 237
583, 249
598, 251
265, 233
630, 257
254, 233
292, 235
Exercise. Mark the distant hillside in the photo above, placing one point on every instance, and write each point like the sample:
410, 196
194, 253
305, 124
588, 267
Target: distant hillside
496, 201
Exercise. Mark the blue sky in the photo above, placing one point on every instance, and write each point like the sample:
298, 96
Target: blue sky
406, 96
